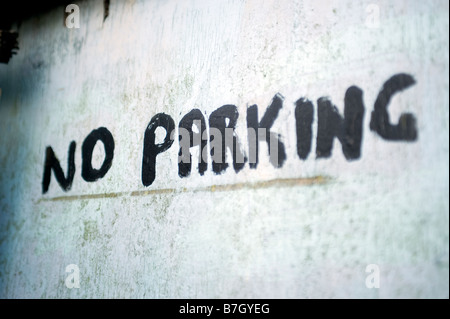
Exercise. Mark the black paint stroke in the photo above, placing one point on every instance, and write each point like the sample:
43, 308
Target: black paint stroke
52, 163
89, 173
217, 120
406, 129
304, 116
187, 122
151, 150
105, 9
266, 123
348, 130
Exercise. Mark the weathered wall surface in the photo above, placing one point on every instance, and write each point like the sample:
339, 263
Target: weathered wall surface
305, 230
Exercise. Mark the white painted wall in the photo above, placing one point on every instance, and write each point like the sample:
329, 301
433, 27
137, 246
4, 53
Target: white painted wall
389, 208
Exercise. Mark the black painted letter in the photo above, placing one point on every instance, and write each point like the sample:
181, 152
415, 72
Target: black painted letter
52, 163
304, 116
265, 125
217, 121
89, 173
194, 117
406, 129
151, 150
348, 129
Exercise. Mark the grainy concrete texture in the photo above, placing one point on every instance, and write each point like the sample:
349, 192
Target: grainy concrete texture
306, 230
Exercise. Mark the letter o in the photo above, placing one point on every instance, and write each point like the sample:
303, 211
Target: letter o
89, 173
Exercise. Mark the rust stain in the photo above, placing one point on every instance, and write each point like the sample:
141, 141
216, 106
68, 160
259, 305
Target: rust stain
279, 182
81, 197
154, 192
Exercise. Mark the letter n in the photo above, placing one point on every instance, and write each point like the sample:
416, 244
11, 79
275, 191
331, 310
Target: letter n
52, 163
348, 129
